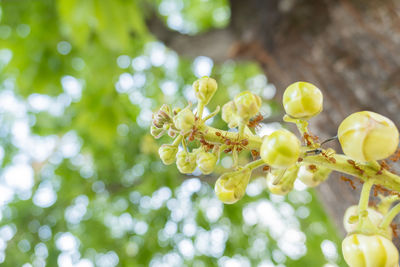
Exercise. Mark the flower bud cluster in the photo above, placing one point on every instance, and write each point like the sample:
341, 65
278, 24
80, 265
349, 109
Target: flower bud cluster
364, 136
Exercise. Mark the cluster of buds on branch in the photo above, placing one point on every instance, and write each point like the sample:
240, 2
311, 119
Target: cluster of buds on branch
365, 138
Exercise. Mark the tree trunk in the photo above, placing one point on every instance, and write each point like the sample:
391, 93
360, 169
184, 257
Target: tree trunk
349, 49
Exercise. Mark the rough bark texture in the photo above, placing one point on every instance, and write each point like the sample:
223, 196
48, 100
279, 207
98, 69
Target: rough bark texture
349, 49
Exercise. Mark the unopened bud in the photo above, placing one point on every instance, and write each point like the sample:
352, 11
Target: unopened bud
204, 89
367, 250
206, 162
351, 213
229, 114
281, 149
280, 182
186, 162
184, 120
162, 116
168, 153
302, 100
247, 104
156, 132
231, 187
368, 136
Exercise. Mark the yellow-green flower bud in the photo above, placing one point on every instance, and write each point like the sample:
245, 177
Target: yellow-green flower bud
166, 109
361, 250
162, 116
281, 149
312, 175
302, 100
229, 114
184, 120
156, 132
186, 162
231, 187
368, 136
204, 89
206, 162
374, 216
167, 153
247, 104
280, 182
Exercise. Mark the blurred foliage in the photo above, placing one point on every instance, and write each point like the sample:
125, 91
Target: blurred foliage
81, 182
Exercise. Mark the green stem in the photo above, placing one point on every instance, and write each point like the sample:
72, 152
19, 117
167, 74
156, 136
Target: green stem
369, 171
210, 135
389, 217
364, 198
177, 140
235, 158
279, 176
385, 203
302, 126
242, 125
209, 116
255, 164
184, 146
200, 108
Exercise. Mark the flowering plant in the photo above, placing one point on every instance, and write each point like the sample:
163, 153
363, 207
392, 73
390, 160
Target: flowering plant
365, 137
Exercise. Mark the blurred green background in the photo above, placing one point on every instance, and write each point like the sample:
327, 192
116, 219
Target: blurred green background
81, 183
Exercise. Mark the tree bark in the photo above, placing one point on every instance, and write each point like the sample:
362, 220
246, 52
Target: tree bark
350, 49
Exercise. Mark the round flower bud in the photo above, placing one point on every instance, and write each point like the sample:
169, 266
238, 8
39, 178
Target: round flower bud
167, 153
204, 89
229, 114
184, 120
186, 162
247, 104
281, 149
368, 136
352, 212
206, 162
302, 100
361, 250
230, 187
